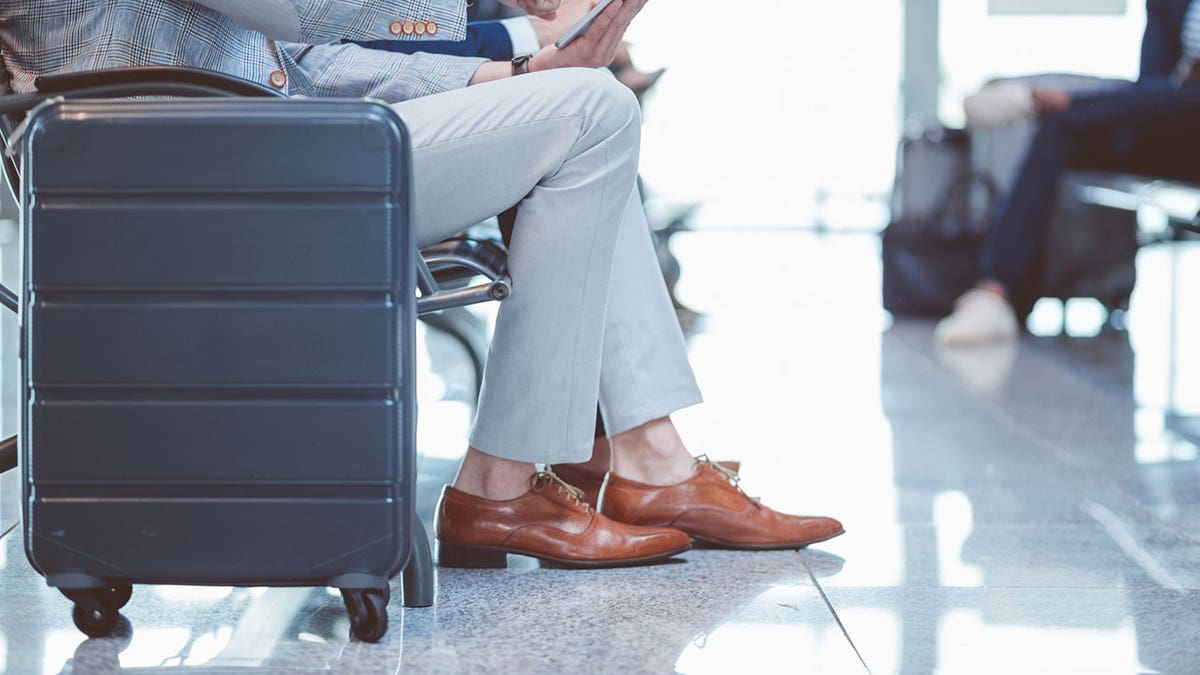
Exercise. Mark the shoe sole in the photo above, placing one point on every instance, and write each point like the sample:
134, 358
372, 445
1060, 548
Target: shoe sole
457, 556
716, 543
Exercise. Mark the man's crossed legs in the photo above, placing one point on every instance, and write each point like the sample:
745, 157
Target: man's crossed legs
589, 320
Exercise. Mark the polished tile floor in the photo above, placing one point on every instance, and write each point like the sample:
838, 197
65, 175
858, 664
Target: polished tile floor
1023, 510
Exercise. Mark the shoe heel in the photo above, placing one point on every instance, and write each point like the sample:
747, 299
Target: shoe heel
470, 557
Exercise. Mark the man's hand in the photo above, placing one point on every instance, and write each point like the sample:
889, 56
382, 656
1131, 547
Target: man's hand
1051, 100
594, 49
542, 8
569, 13
598, 46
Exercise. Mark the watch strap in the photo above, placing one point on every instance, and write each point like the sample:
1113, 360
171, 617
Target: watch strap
520, 64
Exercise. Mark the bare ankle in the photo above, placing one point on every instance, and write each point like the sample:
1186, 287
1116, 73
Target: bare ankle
601, 459
493, 478
652, 453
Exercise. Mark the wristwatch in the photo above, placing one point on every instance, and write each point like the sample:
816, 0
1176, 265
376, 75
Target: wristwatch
520, 64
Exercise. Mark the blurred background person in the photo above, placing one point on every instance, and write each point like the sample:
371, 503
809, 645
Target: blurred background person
1149, 127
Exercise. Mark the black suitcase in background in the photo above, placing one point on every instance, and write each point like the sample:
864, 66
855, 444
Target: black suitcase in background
930, 249
941, 206
218, 310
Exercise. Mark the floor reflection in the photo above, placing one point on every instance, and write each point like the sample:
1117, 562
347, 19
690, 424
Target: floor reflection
1027, 536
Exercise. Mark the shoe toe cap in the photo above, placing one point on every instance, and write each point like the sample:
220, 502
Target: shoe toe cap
662, 540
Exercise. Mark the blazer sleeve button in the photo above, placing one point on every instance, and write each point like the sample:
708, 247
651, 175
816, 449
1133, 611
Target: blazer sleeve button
396, 27
431, 27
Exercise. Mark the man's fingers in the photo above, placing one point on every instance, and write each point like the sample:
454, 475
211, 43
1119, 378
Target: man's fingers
542, 8
607, 40
629, 10
598, 46
604, 21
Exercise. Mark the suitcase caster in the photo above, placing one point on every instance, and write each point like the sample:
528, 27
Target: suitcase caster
95, 620
368, 612
98, 610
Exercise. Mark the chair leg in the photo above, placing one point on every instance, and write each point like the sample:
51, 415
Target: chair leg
8, 454
418, 574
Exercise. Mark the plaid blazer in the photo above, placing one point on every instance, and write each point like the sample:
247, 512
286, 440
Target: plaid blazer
39, 37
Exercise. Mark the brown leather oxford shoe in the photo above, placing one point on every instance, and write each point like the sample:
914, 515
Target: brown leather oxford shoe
710, 506
551, 522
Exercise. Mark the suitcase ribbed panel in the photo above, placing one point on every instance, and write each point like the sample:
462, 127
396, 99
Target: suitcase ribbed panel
218, 313
261, 540
206, 246
214, 343
215, 442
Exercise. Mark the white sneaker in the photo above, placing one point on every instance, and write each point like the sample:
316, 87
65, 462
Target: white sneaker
979, 316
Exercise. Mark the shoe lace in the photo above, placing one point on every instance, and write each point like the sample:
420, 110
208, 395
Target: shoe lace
732, 476
546, 477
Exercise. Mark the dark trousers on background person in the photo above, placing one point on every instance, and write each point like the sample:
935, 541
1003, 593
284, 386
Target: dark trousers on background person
1151, 128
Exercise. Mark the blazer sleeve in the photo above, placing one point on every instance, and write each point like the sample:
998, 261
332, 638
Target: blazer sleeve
318, 21
485, 39
348, 70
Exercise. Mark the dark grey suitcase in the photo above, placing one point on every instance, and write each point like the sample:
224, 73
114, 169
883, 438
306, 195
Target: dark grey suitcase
218, 314
930, 248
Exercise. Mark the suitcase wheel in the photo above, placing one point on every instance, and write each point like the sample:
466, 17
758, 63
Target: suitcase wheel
94, 620
97, 610
368, 612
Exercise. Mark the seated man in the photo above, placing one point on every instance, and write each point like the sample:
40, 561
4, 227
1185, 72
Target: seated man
589, 318
1149, 128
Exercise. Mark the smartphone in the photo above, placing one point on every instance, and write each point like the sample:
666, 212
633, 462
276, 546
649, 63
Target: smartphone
584, 23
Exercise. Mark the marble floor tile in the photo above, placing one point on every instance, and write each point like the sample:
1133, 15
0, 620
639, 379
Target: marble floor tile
1022, 630
998, 502
704, 613
955, 552
716, 611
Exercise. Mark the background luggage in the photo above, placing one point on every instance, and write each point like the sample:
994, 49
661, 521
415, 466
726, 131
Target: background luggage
947, 186
218, 312
930, 247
